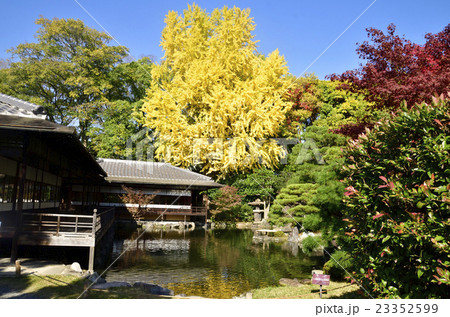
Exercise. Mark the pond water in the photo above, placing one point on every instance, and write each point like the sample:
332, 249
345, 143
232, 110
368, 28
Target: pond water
213, 263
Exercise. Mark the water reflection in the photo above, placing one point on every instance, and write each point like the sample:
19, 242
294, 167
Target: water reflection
291, 247
215, 264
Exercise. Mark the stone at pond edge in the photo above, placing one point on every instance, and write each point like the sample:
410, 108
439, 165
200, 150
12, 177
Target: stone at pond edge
293, 236
110, 285
76, 267
248, 295
95, 278
305, 281
154, 289
265, 224
293, 282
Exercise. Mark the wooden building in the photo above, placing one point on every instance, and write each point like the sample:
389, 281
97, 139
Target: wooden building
40, 162
177, 194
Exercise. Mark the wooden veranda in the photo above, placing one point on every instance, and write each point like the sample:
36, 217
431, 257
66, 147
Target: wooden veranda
197, 211
63, 229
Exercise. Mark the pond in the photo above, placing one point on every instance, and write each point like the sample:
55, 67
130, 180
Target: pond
208, 263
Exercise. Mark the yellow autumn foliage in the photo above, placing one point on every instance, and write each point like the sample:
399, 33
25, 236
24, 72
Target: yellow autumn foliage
215, 102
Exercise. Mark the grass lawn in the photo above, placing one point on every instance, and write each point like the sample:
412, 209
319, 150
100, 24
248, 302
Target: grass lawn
70, 287
66, 287
334, 290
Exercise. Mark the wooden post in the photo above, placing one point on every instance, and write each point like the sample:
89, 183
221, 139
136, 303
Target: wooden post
20, 182
92, 248
18, 268
320, 290
91, 259
94, 224
58, 223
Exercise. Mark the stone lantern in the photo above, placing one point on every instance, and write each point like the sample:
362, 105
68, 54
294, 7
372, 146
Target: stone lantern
258, 213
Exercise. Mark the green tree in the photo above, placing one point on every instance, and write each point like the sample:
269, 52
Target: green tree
294, 202
130, 81
340, 107
114, 127
304, 94
259, 184
324, 103
314, 163
121, 119
67, 71
397, 203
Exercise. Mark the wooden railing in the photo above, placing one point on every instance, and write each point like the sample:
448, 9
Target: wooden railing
199, 210
103, 221
68, 224
192, 211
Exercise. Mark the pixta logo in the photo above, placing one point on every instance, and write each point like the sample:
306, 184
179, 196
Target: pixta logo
140, 146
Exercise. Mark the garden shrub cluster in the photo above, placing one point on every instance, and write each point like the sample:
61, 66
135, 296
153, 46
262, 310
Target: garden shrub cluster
312, 222
293, 203
339, 262
312, 193
311, 244
227, 206
242, 212
397, 203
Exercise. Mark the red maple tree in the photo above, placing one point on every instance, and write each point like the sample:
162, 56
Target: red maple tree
398, 69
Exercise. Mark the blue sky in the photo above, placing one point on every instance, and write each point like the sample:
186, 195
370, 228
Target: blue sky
300, 29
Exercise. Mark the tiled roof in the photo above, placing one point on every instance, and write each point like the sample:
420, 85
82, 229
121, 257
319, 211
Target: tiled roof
32, 123
143, 172
11, 106
20, 115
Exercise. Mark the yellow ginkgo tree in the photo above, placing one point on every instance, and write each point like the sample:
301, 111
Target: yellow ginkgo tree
215, 102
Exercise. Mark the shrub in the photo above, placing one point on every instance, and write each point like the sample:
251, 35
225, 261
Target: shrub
244, 212
279, 234
339, 261
241, 212
137, 197
224, 201
311, 244
398, 195
293, 202
312, 222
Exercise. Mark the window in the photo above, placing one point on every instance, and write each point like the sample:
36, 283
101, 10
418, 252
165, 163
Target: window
112, 198
45, 193
28, 192
53, 196
37, 194
8, 189
2, 186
